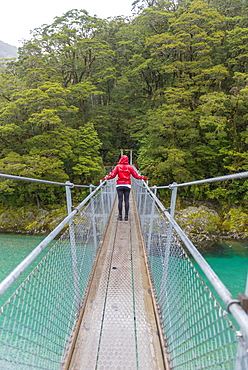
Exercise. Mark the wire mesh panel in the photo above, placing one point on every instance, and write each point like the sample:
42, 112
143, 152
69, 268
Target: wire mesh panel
198, 332
37, 321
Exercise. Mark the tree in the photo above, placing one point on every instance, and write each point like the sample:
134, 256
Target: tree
171, 84
237, 50
36, 166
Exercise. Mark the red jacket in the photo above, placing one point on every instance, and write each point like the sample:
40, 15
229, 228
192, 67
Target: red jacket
124, 170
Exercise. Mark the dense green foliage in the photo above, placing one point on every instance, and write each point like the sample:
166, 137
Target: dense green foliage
171, 84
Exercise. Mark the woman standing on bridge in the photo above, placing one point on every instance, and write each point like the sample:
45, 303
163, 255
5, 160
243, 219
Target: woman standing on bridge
123, 184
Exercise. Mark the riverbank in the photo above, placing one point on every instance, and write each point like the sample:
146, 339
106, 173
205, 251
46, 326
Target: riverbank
30, 219
200, 222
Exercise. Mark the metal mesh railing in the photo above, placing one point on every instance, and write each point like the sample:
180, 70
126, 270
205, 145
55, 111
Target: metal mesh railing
38, 320
198, 332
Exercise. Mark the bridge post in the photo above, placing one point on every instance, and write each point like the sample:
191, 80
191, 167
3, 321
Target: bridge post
72, 242
131, 157
151, 222
242, 357
144, 208
104, 207
108, 198
139, 200
130, 154
93, 218
168, 241
173, 199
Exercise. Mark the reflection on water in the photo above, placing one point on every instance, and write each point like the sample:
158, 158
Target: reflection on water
227, 248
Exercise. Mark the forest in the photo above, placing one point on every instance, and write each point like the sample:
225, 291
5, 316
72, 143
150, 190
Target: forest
170, 83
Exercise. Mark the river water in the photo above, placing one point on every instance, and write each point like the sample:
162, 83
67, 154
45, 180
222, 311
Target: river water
13, 249
228, 259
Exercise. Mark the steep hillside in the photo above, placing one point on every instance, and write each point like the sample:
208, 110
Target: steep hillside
7, 51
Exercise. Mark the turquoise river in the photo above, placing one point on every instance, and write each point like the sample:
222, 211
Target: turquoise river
228, 259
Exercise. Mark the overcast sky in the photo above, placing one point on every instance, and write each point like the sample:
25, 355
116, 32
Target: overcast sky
19, 17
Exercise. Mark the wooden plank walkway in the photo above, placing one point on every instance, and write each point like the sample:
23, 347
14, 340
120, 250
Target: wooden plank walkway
119, 329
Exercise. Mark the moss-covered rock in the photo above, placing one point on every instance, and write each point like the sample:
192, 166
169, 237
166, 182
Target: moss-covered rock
30, 220
235, 222
199, 223
204, 223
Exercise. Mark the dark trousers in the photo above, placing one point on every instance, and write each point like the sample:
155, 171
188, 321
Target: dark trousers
123, 192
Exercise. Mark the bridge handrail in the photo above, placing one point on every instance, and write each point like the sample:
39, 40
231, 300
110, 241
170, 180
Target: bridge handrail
39, 318
232, 305
30, 179
234, 176
13, 276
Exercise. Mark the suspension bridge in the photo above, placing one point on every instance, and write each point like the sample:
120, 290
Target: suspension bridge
115, 294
